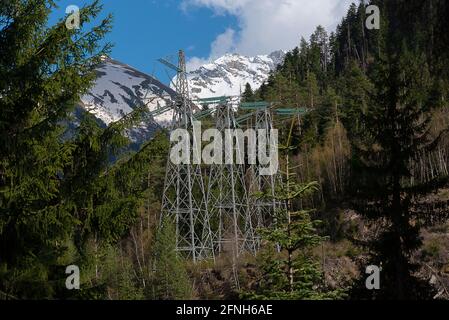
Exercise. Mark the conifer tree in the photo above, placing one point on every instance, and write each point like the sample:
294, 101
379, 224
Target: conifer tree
170, 280
355, 88
396, 126
43, 72
291, 272
248, 94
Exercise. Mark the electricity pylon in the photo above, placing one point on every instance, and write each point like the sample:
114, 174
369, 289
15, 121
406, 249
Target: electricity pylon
184, 197
227, 196
266, 206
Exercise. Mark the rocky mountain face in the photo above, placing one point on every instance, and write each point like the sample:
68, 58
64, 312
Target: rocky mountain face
118, 89
229, 74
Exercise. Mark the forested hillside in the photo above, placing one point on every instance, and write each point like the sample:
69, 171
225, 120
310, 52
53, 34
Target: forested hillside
376, 137
365, 170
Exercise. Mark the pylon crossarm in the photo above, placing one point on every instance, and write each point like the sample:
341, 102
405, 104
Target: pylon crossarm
291, 111
169, 64
212, 100
243, 118
254, 105
202, 114
160, 110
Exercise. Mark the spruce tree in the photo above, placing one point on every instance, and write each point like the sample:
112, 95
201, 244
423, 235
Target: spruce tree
43, 72
290, 271
355, 88
248, 94
170, 280
396, 135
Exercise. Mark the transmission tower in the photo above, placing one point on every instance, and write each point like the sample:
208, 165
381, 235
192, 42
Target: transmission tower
227, 197
184, 197
267, 206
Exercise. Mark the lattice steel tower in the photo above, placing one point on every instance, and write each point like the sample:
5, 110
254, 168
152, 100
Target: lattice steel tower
227, 197
184, 197
265, 207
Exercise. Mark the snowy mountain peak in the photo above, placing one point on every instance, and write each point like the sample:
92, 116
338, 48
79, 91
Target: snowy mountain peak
229, 74
119, 88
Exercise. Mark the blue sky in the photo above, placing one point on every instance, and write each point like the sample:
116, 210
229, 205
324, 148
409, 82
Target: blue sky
145, 30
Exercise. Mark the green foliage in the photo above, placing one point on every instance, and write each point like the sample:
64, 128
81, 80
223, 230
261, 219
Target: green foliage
396, 135
355, 88
292, 272
384, 86
396, 127
170, 280
43, 72
248, 94
58, 192
298, 237
115, 273
75, 200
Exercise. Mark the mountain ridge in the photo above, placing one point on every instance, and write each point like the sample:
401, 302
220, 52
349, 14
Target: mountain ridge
228, 74
119, 88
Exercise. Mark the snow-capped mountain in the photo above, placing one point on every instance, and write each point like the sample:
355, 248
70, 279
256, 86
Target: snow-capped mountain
120, 88
228, 75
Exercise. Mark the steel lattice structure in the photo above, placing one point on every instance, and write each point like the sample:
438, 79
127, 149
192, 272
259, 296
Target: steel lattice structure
227, 196
224, 217
265, 207
184, 196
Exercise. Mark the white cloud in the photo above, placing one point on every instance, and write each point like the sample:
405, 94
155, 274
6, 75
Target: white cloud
268, 25
223, 44
195, 63
219, 6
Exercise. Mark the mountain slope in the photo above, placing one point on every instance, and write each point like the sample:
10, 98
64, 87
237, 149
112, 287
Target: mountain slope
229, 74
119, 88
